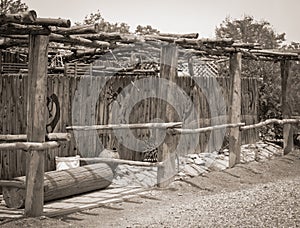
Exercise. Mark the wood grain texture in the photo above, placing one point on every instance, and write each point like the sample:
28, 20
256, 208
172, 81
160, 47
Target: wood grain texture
235, 108
36, 123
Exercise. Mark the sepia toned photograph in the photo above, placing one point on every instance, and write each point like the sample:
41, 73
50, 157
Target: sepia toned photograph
149, 113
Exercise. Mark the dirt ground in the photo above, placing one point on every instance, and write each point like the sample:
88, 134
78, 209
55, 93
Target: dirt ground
258, 194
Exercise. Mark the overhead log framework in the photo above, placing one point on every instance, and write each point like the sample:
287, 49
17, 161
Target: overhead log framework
14, 29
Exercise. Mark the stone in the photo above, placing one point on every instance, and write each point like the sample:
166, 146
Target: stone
190, 171
181, 174
221, 156
209, 162
199, 161
199, 169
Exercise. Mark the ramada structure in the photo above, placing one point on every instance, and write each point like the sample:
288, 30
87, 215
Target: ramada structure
86, 43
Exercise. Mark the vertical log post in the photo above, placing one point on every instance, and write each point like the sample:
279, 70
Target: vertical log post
235, 108
288, 144
36, 123
166, 152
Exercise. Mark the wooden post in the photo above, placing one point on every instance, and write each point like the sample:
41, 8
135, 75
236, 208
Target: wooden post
166, 152
36, 123
235, 108
288, 144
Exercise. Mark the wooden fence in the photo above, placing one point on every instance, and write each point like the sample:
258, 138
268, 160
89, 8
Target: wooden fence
13, 112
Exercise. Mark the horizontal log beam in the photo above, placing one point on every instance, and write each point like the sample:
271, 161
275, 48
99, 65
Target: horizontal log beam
274, 53
81, 29
49, 137
8, 42
17, 29
270, 121
189, 35
114, 37
29, 146
206, 129
12, 183
72, 39
52, 22
126, 126
20, 18
122, 161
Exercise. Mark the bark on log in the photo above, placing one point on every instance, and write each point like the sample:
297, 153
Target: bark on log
52, 22
17, 29
8, 42
78, 40
60, 184
189, 35
24, 17
81, 29
113, 37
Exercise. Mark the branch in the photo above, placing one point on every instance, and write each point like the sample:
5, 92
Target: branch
206, 129
126, 126
270, 121
29, 146
121, 161
49, 137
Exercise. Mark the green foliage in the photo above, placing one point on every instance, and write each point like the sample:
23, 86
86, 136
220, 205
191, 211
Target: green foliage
145, 30
12, 6
105, 26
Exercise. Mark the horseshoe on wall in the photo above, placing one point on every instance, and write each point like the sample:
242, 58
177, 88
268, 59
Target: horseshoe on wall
51, 102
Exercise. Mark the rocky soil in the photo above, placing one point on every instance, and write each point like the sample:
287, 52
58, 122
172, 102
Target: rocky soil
193, 165
262, 193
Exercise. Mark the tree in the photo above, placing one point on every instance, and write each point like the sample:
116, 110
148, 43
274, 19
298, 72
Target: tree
248, 30
105, 26
12, 6
145, 30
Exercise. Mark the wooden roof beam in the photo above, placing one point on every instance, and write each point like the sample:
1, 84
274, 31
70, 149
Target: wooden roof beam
81, 29
20, 18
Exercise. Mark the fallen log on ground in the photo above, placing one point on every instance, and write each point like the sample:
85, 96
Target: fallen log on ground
63, 183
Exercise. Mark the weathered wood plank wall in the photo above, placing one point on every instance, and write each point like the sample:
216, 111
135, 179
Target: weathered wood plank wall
13, 114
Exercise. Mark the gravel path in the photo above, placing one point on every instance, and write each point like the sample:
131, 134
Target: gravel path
265, 205
258, 194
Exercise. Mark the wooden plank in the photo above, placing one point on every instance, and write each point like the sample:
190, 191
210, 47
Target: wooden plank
235, 108
166, 151
1, 119
286, 106
5, 154
66, 121
19, 116
36, 119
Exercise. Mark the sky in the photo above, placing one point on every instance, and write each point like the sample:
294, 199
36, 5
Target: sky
183, 16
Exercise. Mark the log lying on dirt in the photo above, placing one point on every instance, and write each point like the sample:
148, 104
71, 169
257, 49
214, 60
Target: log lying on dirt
63, 183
